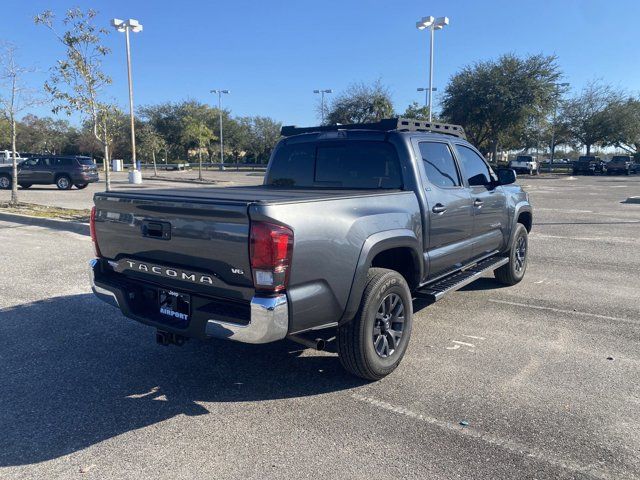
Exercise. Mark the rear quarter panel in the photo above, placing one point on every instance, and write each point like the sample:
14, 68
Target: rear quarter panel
329, 236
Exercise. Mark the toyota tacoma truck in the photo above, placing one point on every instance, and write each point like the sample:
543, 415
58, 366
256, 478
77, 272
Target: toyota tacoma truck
351, 224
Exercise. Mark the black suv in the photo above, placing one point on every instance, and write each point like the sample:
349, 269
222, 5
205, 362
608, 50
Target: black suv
588, 165
63, 171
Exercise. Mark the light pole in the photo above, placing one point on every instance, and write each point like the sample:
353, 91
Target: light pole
553, 123
432, 24
426, 94
219, 93
125, 26
322, 92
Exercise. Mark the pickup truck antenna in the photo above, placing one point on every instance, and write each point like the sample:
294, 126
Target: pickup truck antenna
398, 124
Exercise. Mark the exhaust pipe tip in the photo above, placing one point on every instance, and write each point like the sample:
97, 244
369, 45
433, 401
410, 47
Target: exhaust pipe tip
317, 343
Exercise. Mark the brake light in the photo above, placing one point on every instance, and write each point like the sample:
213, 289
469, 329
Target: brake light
270, 250
92, 231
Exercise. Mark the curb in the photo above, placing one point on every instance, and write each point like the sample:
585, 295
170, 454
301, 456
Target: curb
66, 225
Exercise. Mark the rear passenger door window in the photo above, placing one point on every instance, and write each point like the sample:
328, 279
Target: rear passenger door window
439, 164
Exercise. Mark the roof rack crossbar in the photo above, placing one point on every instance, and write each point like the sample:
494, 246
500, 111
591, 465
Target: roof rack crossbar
385, 125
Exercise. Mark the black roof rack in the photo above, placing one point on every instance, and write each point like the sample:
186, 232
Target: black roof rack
385, 125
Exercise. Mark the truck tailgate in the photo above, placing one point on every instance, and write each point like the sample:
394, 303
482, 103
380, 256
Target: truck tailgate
194, 244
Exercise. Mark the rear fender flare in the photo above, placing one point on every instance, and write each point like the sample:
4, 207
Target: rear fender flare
373, 245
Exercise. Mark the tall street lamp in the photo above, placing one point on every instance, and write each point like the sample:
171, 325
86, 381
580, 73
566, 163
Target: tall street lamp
426, 94
322, 92
126, 26
432, 24
553, 123
219, 93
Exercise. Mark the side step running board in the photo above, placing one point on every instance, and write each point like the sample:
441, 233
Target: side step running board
455, 281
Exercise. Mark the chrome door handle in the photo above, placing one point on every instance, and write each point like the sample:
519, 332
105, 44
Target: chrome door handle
439, 208
478, 203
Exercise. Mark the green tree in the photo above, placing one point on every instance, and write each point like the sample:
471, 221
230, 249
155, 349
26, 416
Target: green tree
417, 112
588, 115
624, 117
150, 142
77, 80
494, 99
18, 99
264, 133
196, 132
361, 103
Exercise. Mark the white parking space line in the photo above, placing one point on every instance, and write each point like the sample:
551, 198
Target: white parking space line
504, 443
631, 241
569, 312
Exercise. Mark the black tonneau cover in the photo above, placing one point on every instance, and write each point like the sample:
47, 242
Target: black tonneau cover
241, 195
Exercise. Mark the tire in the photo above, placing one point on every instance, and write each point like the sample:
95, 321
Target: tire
5, 182
513, 271
80, 186
365, 343
63, 182
25, 185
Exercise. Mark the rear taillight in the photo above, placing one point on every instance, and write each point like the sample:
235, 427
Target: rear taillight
92, 230
271, 247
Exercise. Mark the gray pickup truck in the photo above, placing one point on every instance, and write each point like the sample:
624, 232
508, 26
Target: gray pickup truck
351, 224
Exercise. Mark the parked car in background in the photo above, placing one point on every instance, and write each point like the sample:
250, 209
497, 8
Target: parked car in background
6, 157
588, 165
62, 171
621, 164
525, 164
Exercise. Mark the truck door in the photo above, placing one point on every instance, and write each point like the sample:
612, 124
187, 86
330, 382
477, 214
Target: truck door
449, 213
489, 202
43, 171
27, 171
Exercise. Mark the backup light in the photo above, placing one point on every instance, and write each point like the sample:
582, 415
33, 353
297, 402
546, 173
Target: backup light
270, 250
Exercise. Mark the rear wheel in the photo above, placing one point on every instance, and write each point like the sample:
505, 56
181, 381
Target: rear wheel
372, 345
63, 182
512, 272
5, 182
80, 186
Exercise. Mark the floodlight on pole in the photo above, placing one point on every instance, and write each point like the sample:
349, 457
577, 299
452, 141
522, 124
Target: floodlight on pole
432, 24
553, 123
126, 26
219, 93
426, 94
322, 92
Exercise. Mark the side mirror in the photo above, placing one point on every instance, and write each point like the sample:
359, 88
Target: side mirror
506, 176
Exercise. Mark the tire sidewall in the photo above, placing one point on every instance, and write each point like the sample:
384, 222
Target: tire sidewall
390, 283
521, 231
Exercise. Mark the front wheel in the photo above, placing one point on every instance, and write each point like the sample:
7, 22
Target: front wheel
513, 271
63, 182
25, 185
5, 182
372, 345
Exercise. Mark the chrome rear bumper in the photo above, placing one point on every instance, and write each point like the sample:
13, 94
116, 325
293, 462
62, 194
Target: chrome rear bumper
268, 322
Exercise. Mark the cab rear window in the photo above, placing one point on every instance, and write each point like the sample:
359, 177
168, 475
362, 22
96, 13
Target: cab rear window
352, 164
85, 161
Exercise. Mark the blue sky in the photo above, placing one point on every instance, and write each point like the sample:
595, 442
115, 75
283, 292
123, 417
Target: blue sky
272, 54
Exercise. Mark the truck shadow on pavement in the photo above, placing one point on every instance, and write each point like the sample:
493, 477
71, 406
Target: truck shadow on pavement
75, 372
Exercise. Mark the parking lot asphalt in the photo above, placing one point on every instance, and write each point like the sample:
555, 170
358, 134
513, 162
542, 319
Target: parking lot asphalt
540, 380
83, 199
